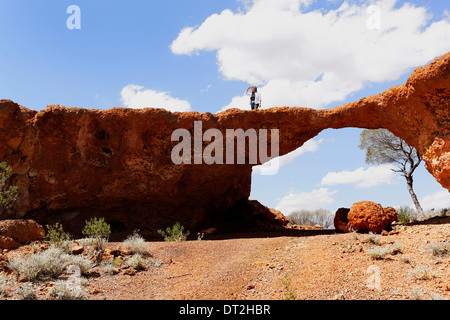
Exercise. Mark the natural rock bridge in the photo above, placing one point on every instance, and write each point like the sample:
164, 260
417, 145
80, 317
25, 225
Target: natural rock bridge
71, 163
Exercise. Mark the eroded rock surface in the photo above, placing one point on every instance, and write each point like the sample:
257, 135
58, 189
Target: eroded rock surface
71, 164
341, 219
14, 232
367, 216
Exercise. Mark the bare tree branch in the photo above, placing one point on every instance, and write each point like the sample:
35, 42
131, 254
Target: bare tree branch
384, 147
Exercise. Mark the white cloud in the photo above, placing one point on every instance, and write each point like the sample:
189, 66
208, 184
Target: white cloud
309, 146
314, 58
134, 96
315, 199
438, 200
362, 177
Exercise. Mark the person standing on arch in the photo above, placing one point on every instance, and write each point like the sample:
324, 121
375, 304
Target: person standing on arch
255, 98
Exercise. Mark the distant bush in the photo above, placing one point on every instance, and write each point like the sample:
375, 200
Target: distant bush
8, 193
98, 231
403, 216
407, 214
176, 233
320, 217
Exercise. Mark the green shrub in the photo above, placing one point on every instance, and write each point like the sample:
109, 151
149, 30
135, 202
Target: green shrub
8, 193
403, 216
421, 273
289, 293
56, 235
117, 262
407, 214
320, 217
98, 231
175, 234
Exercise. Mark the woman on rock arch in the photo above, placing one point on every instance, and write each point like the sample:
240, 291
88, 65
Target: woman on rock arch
255, 98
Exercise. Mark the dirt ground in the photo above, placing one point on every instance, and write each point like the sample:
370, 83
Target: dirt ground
320, 265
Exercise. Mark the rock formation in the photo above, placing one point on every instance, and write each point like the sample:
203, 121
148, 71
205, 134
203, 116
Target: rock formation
367, 216
14, 232
73, 163
341, 219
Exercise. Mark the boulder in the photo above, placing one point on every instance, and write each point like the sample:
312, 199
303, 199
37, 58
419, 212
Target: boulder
268, 214
341, 220
8, 243
77, 249
251, 213
16, 231
72, 164
367, 216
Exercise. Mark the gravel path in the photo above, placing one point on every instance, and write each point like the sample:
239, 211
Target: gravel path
338, 266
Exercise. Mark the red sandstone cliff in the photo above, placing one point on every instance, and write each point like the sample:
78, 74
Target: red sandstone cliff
72, 163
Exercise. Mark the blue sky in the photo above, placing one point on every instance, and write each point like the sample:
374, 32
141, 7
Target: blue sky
201, 55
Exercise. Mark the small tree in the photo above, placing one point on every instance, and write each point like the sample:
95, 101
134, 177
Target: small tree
176, 233
8, 193
98, 231
56, 234
384, 147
